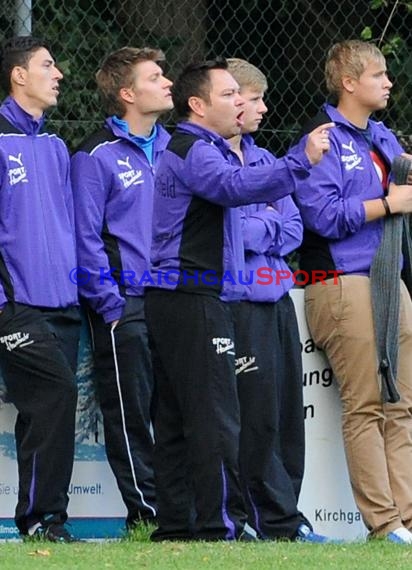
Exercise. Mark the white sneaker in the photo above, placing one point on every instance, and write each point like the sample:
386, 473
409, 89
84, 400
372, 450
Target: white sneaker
400, 535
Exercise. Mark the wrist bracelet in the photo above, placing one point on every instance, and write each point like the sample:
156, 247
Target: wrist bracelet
386, 206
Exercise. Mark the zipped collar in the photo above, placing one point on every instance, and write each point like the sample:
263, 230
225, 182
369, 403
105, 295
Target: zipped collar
160, 141
23, 121
252, 154
205, 134
250, 149
338, 118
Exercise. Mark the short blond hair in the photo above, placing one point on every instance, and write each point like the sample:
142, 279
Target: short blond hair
246, 74
348, 58
118, 71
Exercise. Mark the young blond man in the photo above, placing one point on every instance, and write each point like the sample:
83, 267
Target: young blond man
268, 354
112, 175
345, 205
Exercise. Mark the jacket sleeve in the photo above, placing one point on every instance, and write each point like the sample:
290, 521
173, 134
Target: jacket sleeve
323, 205
68, 186
3, 298
291, 234
274, 230
90, 191
229, 185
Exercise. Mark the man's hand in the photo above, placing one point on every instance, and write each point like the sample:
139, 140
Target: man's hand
318, 143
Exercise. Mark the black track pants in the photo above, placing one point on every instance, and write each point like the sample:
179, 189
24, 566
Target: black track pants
125, 390
38, 358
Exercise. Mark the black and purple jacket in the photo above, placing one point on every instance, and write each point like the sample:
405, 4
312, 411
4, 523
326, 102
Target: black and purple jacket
197, 243
37, 243
113, 197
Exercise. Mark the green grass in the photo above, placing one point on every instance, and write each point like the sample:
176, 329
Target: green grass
137, 553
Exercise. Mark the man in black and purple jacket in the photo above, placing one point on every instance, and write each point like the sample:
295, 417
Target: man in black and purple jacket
197, 262
112, 174
39, 320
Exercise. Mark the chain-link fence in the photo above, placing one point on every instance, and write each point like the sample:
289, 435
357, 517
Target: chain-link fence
287, 39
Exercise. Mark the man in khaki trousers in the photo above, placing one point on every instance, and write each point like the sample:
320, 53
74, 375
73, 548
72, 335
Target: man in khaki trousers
344, 205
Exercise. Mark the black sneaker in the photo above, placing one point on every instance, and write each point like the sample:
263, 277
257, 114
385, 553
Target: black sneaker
53, 532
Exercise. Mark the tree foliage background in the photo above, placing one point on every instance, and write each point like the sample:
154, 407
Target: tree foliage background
287, 39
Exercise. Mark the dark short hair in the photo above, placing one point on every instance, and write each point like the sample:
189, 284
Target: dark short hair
17, 51
194, 81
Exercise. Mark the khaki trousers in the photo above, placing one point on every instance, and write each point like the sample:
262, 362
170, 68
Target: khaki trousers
377, 436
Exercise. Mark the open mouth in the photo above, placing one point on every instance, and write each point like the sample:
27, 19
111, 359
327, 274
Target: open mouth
239, 119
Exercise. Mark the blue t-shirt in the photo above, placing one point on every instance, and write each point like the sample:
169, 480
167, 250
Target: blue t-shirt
145, 143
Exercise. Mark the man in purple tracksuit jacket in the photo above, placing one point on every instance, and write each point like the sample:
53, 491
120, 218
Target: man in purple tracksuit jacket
344, 204
268, 352
39, 320
197, 259
112, 175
